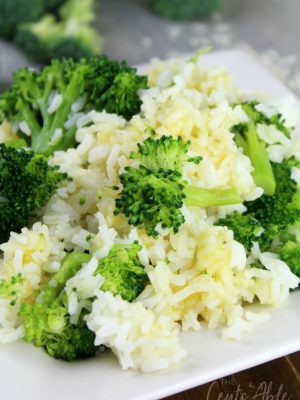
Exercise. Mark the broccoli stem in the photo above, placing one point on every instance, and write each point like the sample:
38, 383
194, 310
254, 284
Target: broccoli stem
16, 143
29, 117
255, 149
72, 93
41, 141
210, 197
71, 264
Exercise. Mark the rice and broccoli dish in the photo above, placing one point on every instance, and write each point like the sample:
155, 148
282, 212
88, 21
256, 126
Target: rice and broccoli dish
136, 207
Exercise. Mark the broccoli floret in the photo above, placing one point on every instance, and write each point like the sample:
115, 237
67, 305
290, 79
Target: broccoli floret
48, 325
123, 272
78, 10
272, 214
27, 182
34, 37
247, 138
70, 36
154, 192
180, 10
76, 42
15, 12
120, 98
275, 213
113, 86
98, 83
47, 322
166, 153
7, 104
246, 228
290, 253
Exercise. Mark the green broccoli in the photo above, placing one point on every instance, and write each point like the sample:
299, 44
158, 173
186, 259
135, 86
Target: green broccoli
290, 253
75, 41
154, 192
268, 217
15, 12
247, 138
70, 36
120, 98
180, 10
275, 213
71, 264
27, 182
47, 322
246, 228
98, 83
34, 37
78, 10
165, 153
48, 325
16, 143
123, 272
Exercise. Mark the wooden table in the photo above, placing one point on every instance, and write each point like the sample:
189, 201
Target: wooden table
276, 380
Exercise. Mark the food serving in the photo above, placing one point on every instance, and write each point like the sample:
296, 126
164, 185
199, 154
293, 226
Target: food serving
134, 207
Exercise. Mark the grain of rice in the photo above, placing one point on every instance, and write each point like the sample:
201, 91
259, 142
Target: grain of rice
55, 103
57, 135
77, 106
25, 128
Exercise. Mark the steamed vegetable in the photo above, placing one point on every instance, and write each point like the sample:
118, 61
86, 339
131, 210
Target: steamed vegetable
178, 9
47, 323
290, 253
123, 272
268, 217
154, 192
247, 138
275, 213
246, 228
15, 12
70, 35
27, 182
45, 104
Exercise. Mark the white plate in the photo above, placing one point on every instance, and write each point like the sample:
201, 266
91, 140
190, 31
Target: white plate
28, 373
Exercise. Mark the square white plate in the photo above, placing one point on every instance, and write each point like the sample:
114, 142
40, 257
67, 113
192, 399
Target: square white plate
28, 373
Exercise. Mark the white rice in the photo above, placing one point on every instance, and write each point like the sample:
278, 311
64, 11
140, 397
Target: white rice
54, 103
25, 128
77, 106
73, 119
83, 120
57, 135
140, 339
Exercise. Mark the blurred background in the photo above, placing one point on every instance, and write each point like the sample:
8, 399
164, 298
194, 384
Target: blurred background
138, 30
